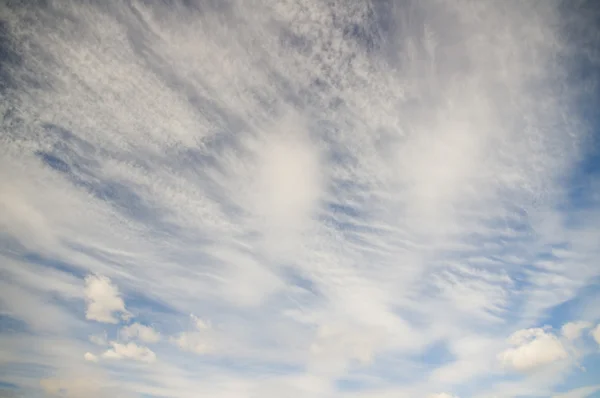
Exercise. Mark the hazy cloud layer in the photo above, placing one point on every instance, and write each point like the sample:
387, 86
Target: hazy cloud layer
352, 198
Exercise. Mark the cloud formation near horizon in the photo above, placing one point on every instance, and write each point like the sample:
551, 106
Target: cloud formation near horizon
309, 198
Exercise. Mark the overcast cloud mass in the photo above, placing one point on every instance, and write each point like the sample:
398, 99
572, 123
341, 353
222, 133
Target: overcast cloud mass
299, 198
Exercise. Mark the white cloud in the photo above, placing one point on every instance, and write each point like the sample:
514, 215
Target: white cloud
103, 300
199, 341
287, 186
88, 356
573, 330
130, 351
200, 324
596, 333
193, 342
142, 332
442, 395
335, 347
533, 349
36, 310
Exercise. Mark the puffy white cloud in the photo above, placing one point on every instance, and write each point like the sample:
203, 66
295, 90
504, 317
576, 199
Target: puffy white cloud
103, 300
88, 356
596, 333
573, 330
442, 395
129, 351
142, 332
533, 348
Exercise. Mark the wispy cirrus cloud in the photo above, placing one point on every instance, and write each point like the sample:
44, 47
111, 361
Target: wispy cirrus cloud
352, 198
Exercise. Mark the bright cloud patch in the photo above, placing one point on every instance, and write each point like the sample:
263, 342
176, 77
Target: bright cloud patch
129, 351
88, 356
533, 348
103, 300
596, 334
144, 333
574, 330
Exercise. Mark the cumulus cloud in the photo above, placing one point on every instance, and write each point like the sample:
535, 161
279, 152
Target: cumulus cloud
130, 351
573, 330
533, 349
88, 356
442, 395
144, 333
103, 300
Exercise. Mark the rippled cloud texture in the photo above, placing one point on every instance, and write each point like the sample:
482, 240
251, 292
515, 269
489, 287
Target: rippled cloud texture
299, 198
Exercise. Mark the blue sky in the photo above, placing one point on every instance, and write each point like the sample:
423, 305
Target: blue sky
300, 198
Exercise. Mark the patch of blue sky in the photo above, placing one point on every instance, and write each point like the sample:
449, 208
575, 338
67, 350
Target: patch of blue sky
7, 385
294, 277
53, 263
575, 308
11, 325
584, 374
25, 369
354, 384
145, 305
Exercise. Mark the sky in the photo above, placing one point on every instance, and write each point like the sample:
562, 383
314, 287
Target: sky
299, 198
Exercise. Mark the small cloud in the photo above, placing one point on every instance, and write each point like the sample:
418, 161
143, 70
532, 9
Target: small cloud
596, 333
138, 331
99, 339
130, 351
200, 324
533, 348
192, 342
442, 395
198, 341
573, 330
103, 300
90, 357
